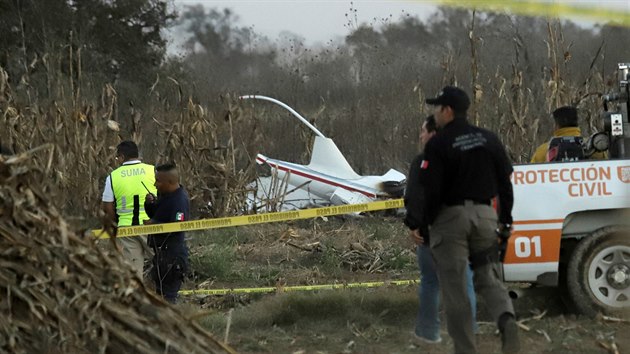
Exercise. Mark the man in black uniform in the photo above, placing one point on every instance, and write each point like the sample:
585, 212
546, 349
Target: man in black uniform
171, 254
428, 318
464, 168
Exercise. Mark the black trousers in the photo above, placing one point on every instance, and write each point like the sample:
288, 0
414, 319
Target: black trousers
168, 271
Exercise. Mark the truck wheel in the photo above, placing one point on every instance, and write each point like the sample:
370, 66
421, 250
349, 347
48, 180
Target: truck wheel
598, 274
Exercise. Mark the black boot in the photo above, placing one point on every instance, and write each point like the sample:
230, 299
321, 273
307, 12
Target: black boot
509, 334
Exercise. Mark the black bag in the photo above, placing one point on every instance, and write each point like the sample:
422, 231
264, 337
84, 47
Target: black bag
565, 148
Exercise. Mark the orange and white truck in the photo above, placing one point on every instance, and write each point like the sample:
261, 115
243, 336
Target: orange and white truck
572, 219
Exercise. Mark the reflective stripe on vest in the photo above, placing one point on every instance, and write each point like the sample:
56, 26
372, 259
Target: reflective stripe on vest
129, 193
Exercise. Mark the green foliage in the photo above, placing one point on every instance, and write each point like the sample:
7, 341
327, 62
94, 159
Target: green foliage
261, 275
228, 236
72, 52
214, 261
382, 229
330, 262
360, 306
400, 259
297, 306
114, 38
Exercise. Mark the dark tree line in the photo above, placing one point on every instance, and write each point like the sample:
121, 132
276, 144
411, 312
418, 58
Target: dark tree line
66, 48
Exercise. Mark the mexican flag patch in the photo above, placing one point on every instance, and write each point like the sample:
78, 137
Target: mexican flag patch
179, 216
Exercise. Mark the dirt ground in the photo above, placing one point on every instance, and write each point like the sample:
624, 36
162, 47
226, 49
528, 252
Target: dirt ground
359, 320
544, 328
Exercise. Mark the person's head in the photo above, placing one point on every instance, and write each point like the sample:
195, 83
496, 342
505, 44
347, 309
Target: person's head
566, 116
126, 150
166, 178
452, 102
428, 130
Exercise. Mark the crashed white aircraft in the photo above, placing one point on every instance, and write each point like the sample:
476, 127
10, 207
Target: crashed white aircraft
327, 179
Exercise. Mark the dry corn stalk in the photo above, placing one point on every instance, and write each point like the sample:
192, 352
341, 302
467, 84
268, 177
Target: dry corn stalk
61, 293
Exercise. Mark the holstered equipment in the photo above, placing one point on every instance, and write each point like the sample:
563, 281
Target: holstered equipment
489, 255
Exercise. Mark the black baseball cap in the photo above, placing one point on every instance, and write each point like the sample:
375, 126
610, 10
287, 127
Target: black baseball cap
451, 96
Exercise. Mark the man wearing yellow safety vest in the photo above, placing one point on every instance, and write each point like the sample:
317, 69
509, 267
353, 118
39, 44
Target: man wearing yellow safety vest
566, 143
123, 200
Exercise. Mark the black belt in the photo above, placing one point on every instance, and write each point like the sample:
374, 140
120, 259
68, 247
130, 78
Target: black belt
475, 202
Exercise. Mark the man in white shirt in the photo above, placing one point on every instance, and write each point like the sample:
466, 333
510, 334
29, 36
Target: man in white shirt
123, 201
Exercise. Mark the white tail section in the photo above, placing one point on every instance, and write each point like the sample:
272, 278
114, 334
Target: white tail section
329, 160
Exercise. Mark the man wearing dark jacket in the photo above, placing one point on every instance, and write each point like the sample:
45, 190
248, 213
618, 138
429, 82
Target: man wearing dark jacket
170, 261
427, 329
464, 168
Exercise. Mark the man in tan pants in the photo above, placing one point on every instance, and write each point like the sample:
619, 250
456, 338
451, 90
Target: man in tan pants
464, 168
123, 201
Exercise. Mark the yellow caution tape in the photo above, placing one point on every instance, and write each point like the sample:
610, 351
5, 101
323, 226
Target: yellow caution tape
205, 224
298, 288
597, 13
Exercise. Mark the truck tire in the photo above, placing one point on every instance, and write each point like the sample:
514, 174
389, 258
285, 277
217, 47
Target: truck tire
598, 274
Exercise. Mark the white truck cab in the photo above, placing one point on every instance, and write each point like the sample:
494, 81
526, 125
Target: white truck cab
572, 219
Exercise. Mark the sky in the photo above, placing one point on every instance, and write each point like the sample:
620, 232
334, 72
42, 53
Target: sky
323, 20
316, 21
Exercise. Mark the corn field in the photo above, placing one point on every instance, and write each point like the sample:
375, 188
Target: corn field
367, 94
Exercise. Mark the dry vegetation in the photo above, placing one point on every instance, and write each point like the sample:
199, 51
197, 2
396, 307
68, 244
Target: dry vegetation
61, 294
82, 138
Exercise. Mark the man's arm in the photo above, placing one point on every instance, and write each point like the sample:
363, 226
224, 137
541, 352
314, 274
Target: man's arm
540, 155
109, 220
416, 237
108, 204
432, 179
506, 200
150, 205
414, 203
110, 211
414, 196
504, 185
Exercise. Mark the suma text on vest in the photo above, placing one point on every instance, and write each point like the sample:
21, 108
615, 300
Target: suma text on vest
132, 172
